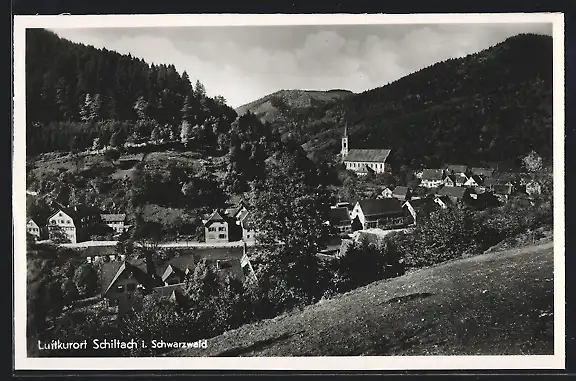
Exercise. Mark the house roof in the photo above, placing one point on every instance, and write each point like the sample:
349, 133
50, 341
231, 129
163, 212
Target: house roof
171, 269
216, 216
478, 179
457, 192
422, 203
432, 174
338, 215
375, 207
372, 155
400, 191
76, 212
31, 222
456, 168
486, 172
131, 270
113, 217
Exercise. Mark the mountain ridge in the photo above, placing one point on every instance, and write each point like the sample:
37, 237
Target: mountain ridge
493, 105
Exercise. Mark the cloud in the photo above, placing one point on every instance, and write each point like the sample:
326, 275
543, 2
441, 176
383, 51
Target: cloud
245, 63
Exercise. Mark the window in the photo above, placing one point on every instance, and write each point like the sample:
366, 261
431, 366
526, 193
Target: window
221, 236
120, 288
211, 229
69, 221
222, 229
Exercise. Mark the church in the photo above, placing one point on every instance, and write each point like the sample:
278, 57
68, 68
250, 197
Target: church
363, 161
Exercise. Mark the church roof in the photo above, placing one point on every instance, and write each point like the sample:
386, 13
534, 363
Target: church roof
372, 155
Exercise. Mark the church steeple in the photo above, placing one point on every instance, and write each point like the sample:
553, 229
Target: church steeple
344, 150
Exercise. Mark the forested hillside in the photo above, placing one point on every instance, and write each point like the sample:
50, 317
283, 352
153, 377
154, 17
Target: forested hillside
494, 105
76, 93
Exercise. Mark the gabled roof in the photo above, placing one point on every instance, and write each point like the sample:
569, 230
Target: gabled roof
77, 212
130, 270
400, 191
422, 203
457, 192
32, 222
486, 172
456, 168
371, 155
432, 174
477, 179
113, 217
216, 216
338, 215
171, 269
375, 207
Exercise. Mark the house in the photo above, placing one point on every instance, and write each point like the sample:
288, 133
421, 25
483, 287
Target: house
173, 275
457, 194
240, 215
128, 280
402, 193
432, 178
455, 180
72, 224
474, 181
386, 192
484, 172
115, 221
454, 169
216, 227
382, 213
340, 219
33, 229
491, 182
363, 161
502, 191
420, 207
533, 188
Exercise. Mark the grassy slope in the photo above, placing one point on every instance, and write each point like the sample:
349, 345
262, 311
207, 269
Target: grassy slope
491, 304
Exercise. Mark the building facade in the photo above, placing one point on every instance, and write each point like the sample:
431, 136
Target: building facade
33, 229
61, 226
216, 228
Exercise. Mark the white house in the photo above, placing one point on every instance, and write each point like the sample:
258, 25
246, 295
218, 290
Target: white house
216, 227
115, 221
432, 178
62, 221
33, 228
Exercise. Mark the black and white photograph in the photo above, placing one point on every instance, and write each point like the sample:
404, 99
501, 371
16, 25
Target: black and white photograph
289, 191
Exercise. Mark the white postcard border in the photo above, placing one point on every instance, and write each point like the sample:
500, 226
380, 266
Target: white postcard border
22, 362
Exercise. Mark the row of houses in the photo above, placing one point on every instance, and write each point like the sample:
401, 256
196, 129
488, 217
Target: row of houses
478, 178
401, 206
75, 223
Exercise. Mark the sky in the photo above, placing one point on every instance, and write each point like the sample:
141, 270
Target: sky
244, 63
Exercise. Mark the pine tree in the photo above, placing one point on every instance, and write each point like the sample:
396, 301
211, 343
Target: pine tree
199, 90
85, 108
96, 108
62, 100
140, 107
187, 110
